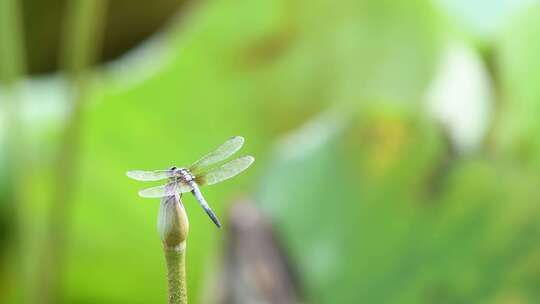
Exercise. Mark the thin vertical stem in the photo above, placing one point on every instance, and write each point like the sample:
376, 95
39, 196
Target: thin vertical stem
176, 274
12, 67
12, 71
173, 227
81, 44
12, 56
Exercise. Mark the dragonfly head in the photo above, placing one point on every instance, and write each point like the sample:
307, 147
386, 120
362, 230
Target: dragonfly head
177, 172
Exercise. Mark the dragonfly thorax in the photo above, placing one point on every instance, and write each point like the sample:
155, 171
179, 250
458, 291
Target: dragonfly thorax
185, 175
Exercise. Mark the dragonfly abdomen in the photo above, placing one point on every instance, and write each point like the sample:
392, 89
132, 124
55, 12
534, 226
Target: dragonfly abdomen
199, 197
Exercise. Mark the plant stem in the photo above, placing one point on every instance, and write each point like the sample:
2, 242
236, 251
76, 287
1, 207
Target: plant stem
12, 56
12, 71
176, 274
173, 227
81, 44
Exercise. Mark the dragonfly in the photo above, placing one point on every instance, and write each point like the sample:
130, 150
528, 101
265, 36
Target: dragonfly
201, 173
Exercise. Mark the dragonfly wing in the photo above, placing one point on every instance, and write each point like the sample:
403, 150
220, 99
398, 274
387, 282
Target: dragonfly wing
226, 171
165, 190
224, 151
147, 176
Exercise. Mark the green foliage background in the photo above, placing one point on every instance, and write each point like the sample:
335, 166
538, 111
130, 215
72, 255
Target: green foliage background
362, 186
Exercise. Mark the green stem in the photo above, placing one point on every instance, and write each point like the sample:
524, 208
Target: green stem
12, 71
12, 56
176, 274
81, 45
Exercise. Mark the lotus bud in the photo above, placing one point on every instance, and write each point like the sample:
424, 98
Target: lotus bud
173, 223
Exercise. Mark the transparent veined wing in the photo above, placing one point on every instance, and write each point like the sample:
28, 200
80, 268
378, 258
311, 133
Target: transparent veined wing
226, 171
224, 151
165, 190
148, 176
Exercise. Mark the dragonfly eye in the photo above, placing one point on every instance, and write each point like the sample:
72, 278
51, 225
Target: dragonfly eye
173, 168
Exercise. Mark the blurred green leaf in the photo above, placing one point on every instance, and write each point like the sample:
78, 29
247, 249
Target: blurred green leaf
257, 69
519, 66
365, 222
339, 204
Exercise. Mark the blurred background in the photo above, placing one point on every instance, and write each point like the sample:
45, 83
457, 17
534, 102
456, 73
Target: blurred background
397, 148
